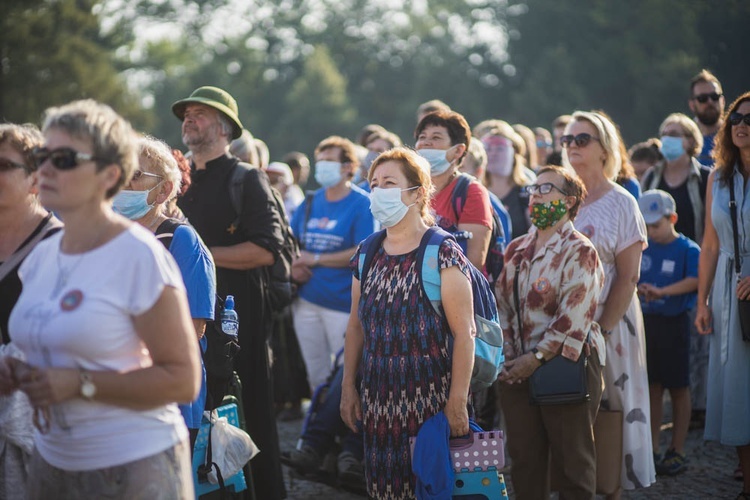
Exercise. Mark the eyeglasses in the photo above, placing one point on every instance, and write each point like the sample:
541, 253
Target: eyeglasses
7, 165
703, 98
581, 140
140, 173
61, 158
544, 188
735, 118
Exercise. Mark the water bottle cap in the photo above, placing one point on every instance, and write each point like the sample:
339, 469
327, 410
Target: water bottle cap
229, 302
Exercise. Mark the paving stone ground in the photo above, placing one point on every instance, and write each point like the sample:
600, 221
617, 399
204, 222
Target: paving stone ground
708, 477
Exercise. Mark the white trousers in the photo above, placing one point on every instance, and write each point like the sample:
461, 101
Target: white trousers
320, 332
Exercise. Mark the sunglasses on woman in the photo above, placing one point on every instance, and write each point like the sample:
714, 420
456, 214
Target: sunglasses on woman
544, 188
61, 158
735, 118
703, 98
581, 140
7, 165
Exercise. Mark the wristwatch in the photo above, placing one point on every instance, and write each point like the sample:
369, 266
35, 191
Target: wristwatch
88, 389
538, 355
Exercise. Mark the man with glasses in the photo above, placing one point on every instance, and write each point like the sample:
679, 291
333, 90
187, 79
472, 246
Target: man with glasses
707, 104
242, 245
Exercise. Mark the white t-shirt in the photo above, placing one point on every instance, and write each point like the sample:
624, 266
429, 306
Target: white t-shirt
88, 324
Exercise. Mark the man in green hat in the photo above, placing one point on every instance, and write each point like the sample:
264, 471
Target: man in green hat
242, 245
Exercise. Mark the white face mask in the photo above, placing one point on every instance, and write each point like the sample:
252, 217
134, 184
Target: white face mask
327, 173
437, 158
500, 155
386, 205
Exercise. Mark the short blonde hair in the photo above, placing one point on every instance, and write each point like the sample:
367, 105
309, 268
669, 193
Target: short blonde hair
417, 173
689, 128
162, 161
112, 138
22, 138
608, 138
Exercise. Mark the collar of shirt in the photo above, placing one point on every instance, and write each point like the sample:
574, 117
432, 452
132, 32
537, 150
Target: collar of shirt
554, 244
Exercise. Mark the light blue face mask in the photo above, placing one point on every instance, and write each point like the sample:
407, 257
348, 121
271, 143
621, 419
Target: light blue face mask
386, 205
132, 204
671, 147
327, 173
436, 157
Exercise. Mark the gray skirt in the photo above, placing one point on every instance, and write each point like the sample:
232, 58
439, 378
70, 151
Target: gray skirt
165, 476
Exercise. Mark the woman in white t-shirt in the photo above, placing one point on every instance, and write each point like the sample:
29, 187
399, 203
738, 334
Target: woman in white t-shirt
104, 324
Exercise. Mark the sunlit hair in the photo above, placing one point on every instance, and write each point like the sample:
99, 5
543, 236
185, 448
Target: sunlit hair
503, 129
264, 155
704, 76
726, 154
626, 170
243, 148
23, 139
456, 125
648, 151
432, 106
348, 151
689, 128
384, 135
608, 138
481, 128
475, 162
160, 161
112, 138
572, 186
417, 173
529, 141
184, 165
562, 121
367, 131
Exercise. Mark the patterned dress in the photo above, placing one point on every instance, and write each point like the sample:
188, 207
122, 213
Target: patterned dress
613, 223
406, 365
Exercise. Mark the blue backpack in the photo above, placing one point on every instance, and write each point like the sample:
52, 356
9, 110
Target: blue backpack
488, 344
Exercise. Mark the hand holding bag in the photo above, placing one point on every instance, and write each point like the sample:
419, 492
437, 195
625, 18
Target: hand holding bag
559, 380
743, 306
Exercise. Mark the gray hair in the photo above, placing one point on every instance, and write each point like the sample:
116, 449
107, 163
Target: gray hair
112, 137
162, 161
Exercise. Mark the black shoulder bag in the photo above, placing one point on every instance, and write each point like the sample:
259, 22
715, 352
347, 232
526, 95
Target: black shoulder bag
558, 381
743, 305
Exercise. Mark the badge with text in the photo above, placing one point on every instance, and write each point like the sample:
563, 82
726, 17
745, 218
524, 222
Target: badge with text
541, 285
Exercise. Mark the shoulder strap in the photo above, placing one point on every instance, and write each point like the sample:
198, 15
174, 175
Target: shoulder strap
370, 247
518, 309
48, 224
237, 186
165, 232
458, 196
429, 265
735, 232
309, 195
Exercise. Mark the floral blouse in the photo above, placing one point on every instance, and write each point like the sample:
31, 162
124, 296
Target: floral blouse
558, 291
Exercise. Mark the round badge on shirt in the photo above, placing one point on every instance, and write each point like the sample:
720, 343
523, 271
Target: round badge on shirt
71, 300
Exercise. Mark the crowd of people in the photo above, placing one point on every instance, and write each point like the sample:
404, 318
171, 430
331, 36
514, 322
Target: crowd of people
114, 248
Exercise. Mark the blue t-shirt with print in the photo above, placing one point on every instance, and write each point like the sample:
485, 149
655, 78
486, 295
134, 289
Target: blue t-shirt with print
662, 265
332, 226
199, 274
704, 157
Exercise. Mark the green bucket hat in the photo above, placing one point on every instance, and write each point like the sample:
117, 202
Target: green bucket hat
216, 98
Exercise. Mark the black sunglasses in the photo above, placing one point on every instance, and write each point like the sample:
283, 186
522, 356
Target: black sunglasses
735, 118
61, 158
581, 140
544, 188
7, 165
703, 98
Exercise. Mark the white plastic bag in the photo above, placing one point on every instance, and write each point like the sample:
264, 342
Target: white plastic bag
231, 448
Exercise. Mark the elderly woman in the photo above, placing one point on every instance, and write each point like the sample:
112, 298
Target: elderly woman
610, 218
144, 200
681, 174
729, 362
414, 364
23, 223
559, 279
329, 225
103, 369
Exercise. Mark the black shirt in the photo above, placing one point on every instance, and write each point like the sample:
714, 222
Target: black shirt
685, 215
517, 204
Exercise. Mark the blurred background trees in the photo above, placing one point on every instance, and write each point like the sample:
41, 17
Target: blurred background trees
304, 69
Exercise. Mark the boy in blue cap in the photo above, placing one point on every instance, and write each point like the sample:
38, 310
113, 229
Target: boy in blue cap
667, 288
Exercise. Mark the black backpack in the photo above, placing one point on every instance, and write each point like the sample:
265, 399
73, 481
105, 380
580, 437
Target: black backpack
220, 347
280, 287
494, 261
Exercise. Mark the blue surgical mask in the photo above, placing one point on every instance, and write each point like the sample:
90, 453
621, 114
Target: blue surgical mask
436, 157
671, 147
386, 205
132, 204
327, 173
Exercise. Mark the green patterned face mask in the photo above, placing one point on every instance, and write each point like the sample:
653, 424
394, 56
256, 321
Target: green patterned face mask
544, 215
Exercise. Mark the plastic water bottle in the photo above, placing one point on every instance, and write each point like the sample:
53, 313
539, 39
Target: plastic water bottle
230, 323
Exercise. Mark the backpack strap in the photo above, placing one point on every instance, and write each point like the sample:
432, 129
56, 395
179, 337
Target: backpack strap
459, 194
428, 264
367, 252
165, 231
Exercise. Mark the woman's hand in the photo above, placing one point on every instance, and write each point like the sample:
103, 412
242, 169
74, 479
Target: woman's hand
301, 272
703, 319
743, 288
351, 407
48, 387
517, 370
458, 417
8, 382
